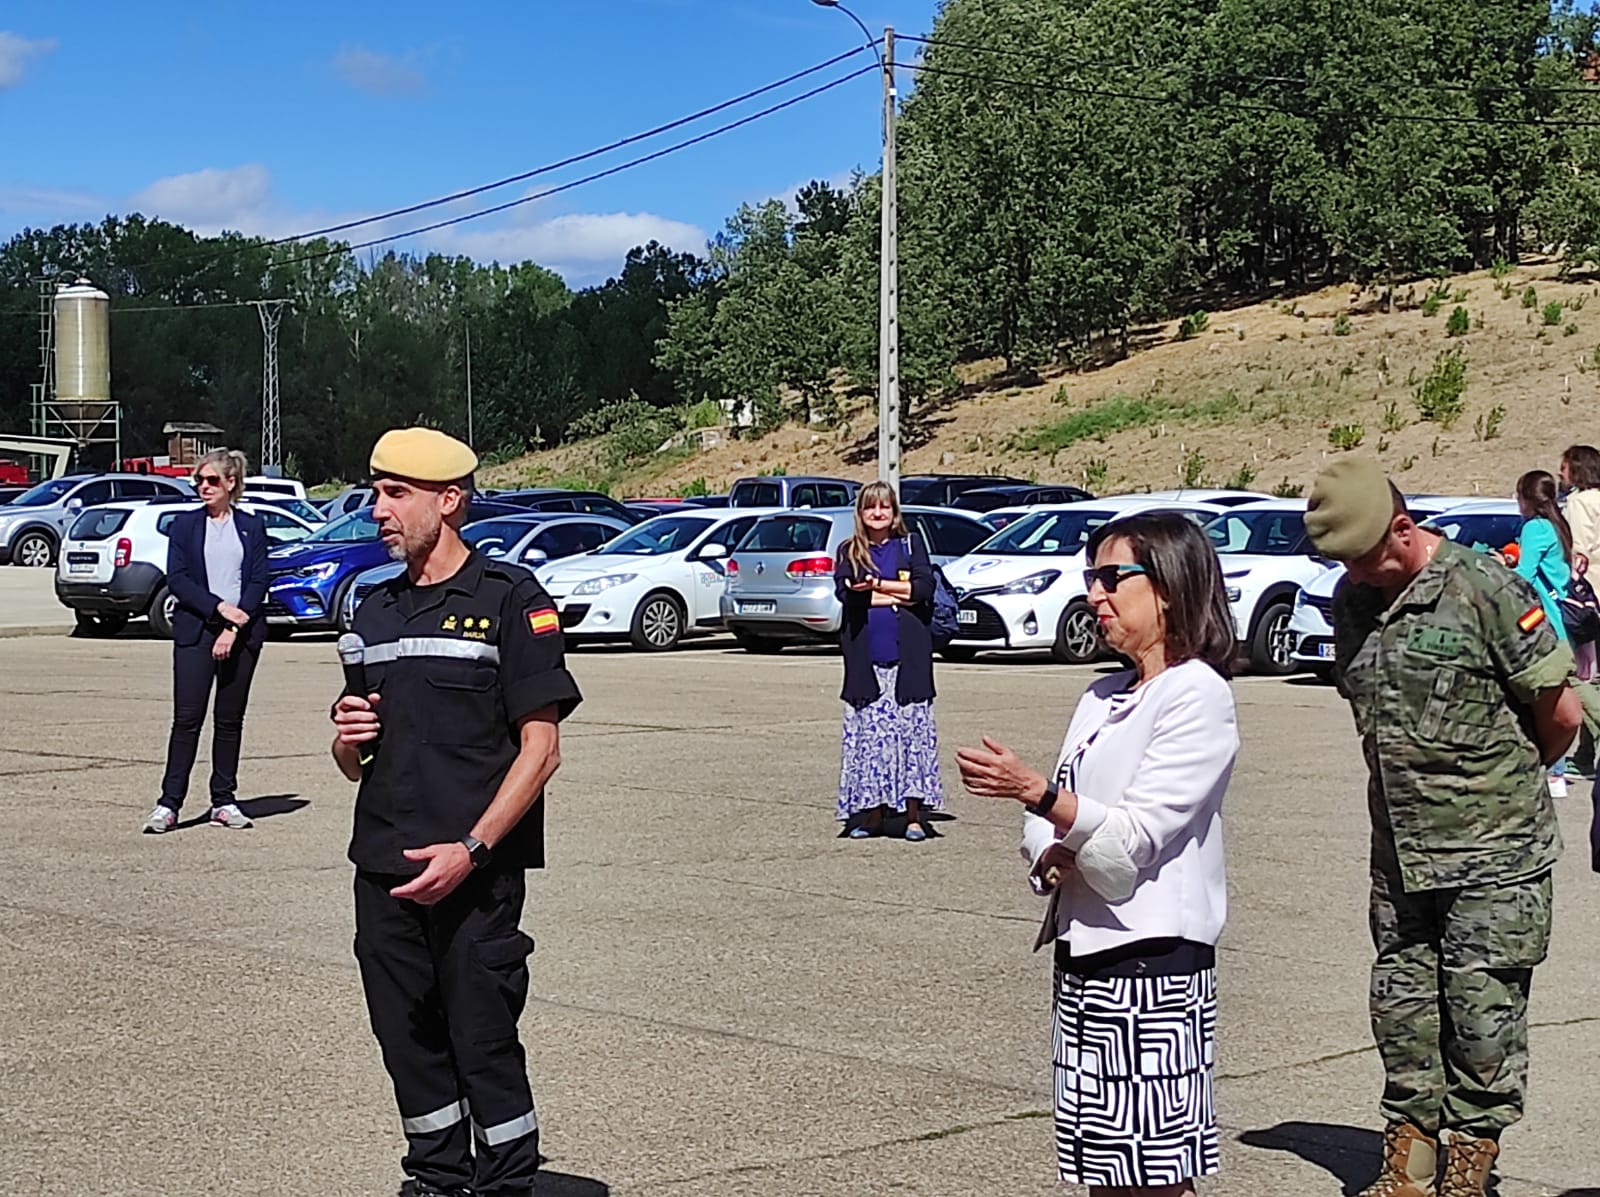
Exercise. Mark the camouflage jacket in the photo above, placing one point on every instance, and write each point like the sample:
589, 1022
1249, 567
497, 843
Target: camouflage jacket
1441, 683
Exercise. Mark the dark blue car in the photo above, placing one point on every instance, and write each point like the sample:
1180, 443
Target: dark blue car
309, 577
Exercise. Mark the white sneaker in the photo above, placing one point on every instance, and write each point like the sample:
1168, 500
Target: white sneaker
160, 821
1558, 785
229, 815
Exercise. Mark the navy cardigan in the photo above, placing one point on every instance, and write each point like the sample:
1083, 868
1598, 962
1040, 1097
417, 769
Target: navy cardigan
914, 682
186, 577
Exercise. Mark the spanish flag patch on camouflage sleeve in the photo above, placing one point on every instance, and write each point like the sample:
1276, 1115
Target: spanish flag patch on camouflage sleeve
1534, 617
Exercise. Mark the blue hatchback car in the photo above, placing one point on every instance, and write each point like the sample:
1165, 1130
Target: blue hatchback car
309, 577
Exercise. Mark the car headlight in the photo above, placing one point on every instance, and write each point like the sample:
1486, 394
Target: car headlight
311, 573
1234, 594
1033, 583
600, 585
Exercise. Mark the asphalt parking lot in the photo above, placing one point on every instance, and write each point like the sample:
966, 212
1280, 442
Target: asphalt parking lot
728, 999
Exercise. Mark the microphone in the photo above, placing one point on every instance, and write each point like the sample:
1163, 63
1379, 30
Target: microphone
353, 656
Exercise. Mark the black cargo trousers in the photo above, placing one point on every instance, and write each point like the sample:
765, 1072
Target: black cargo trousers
445, 986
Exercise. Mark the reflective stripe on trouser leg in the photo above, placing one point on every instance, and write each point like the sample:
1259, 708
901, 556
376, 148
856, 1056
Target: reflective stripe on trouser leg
440, 1119
402, 992
505, 1132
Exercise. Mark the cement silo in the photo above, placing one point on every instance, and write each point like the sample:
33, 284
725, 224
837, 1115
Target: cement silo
81, 408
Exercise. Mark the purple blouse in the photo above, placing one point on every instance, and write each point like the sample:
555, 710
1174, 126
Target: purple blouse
883, 623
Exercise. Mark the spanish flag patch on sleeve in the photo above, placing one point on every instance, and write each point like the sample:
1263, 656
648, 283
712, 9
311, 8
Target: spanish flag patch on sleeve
544, 621
1532, 619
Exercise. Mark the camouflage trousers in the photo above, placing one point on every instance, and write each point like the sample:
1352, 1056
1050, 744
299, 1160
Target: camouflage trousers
1449, 1000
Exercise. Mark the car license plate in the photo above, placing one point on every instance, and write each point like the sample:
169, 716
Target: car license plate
82, 563
1325, 651
758, 608
966, 615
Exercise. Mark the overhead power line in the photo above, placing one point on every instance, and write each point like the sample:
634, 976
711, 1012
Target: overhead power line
589, 178
1051, 60
1255, 105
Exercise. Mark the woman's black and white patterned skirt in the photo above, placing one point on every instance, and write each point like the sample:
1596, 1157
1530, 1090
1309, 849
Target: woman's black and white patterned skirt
1133, 1087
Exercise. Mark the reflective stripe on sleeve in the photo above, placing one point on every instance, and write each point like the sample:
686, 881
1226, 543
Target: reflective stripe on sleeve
440, 1119
505, 1132
432, 646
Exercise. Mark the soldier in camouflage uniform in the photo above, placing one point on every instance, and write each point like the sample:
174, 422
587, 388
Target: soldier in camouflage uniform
1460, 693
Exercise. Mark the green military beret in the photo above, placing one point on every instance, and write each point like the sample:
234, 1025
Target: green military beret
1350, 509
422, 455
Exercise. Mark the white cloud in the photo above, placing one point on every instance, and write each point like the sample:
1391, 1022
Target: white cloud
15, 54
380, 74
583, 247
212, 199
62, 203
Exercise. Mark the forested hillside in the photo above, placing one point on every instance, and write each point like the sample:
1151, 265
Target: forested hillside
1070, 173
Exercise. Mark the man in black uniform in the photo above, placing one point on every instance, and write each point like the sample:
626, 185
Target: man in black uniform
452, 747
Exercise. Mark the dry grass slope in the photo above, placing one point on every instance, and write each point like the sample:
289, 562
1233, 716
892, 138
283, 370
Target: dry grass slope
1264, 395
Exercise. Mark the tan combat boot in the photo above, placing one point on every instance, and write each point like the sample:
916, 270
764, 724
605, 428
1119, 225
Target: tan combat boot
1467, 1162
1410, 1159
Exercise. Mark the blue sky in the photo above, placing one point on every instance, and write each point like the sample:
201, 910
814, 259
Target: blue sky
278, 119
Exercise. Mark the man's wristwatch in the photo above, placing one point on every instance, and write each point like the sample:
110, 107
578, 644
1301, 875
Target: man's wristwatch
479, 851
1042, 807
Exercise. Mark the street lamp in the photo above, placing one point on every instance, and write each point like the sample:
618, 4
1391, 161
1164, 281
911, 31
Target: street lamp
888, 267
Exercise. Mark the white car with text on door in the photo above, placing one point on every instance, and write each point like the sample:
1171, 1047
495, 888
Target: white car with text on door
1022, 589
655, 584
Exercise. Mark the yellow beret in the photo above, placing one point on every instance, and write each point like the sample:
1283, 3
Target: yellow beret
423, 455
1350, 509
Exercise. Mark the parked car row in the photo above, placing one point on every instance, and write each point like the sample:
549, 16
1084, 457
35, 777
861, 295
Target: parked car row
763, 573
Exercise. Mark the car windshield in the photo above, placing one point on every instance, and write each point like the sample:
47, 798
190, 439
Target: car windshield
494, 538
349, 529
45, 493
657, 537
1272, 533
1481, 532
1047, 534
294, 506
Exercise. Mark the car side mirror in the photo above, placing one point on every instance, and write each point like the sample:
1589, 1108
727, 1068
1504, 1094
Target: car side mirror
713, 552
535, 557
74, 504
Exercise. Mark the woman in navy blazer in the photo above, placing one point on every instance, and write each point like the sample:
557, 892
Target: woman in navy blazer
217, 573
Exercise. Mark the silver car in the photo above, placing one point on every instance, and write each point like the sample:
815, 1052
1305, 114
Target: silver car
33, 525
525, 540
780, 578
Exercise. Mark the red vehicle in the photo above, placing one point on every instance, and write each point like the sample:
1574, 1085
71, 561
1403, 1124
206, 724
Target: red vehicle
155, 465
12, 474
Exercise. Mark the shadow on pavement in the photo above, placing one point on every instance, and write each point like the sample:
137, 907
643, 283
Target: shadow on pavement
562, 1184
263, 807
1348, 1152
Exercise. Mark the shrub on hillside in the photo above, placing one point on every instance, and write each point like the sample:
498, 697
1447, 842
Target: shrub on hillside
1193, 325
1458, 324
1438, 396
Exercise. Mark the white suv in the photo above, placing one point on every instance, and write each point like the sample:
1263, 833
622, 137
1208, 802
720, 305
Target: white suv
33, 524
113, 563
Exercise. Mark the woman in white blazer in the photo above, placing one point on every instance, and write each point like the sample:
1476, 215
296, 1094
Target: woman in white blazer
1125, 837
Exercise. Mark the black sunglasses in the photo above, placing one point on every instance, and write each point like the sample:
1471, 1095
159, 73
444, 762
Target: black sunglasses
207, 480
1110, 576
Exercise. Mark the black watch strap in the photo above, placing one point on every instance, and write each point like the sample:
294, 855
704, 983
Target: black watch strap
1042, 807
479, 851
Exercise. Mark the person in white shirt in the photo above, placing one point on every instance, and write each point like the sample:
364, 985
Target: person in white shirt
1126, 838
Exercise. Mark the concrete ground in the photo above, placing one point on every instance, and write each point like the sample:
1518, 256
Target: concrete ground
28, 602
728, 999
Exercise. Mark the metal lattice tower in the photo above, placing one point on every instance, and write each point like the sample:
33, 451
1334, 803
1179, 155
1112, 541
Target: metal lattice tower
271, 312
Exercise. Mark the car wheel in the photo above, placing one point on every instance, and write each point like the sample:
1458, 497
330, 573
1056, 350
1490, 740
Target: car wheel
958, 655
35, 550
657, 624
761, 645
1272, 645
161, 608
100, 624
1078, 636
